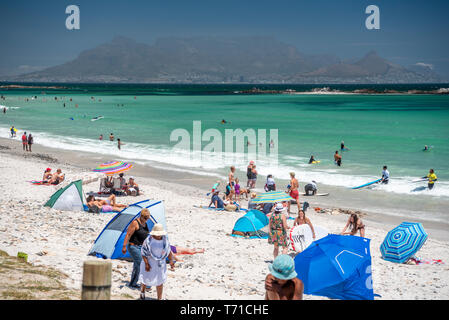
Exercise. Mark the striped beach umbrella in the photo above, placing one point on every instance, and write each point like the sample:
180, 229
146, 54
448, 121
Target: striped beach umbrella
403, 242
272, 197
113, 167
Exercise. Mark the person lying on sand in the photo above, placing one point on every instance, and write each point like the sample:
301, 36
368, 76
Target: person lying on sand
107, 205
57, 177
281, 283
176, 250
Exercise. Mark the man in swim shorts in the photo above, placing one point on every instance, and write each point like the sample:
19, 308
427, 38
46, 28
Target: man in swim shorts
294, 193
337, 159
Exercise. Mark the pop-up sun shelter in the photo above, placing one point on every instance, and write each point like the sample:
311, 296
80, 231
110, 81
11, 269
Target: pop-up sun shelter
109, 243
251, 225
69, 198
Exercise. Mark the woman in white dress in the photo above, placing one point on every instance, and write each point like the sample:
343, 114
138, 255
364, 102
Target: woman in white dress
153, 268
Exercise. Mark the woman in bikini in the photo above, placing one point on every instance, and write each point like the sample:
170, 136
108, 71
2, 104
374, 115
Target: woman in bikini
302, 219
355, 224
107, 205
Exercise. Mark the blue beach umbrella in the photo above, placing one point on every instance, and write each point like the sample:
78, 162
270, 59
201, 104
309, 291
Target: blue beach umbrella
337, 267
403, 242
272, 197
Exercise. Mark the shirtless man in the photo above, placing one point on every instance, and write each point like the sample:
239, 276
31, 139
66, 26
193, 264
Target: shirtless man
337, 159
282, 283
294, 193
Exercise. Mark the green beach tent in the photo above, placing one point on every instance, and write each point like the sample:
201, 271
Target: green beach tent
69, 198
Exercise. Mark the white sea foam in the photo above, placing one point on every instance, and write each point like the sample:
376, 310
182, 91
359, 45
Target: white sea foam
216, 164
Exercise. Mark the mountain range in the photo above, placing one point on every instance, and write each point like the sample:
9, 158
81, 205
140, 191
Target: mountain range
222, 60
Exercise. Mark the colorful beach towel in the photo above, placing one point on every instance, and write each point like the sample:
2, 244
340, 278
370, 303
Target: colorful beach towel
38, 183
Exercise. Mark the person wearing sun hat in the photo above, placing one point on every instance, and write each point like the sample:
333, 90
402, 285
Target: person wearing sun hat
278, 230
153, 268
282, 282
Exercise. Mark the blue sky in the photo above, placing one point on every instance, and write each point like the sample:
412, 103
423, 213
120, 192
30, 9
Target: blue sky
33, 33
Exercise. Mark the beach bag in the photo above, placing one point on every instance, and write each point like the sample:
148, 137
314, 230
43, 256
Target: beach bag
231, 207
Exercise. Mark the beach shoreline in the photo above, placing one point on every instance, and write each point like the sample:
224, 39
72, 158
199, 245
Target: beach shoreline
179, 178
219, 273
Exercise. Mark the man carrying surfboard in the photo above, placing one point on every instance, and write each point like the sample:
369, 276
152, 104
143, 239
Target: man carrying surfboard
432, 177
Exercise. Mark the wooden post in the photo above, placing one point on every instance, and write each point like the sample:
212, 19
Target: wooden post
96, 280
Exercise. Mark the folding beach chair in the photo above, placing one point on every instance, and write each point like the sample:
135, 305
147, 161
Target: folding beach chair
103, 188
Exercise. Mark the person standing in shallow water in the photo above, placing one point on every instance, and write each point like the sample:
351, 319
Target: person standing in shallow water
135, 236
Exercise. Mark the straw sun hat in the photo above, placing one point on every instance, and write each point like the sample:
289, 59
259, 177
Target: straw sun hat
158, 230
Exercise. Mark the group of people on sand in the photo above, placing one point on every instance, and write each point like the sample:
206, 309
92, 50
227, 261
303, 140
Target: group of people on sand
55, 178
150, 252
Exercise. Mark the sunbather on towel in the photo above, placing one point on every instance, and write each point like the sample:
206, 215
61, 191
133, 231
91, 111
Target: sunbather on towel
107, 205
176, 250
47, 175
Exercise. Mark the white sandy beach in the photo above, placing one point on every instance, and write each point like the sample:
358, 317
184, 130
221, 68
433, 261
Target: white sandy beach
230, 268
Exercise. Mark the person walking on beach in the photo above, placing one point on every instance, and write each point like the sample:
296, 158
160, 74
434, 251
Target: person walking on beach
432, 177
25, 141
153, 268
337, 159
385, 176
294, 193
302, 219
231, 181
278, 230
248, 173
13, 131
30, 142
355, 224
135, 236
282, 282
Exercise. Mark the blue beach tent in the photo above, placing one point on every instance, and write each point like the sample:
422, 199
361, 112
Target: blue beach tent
337, 267
251, 225
109, 243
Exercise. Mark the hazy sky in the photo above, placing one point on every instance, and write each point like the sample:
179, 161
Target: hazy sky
33, 33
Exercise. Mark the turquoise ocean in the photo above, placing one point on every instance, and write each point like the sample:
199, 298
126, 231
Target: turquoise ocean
378, 129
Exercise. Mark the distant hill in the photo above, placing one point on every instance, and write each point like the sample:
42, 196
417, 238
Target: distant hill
220, 59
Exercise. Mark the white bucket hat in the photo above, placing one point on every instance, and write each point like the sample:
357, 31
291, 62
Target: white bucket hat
279, 207
158, 230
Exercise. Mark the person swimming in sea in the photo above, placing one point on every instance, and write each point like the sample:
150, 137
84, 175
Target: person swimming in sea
223, 121
312, 159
